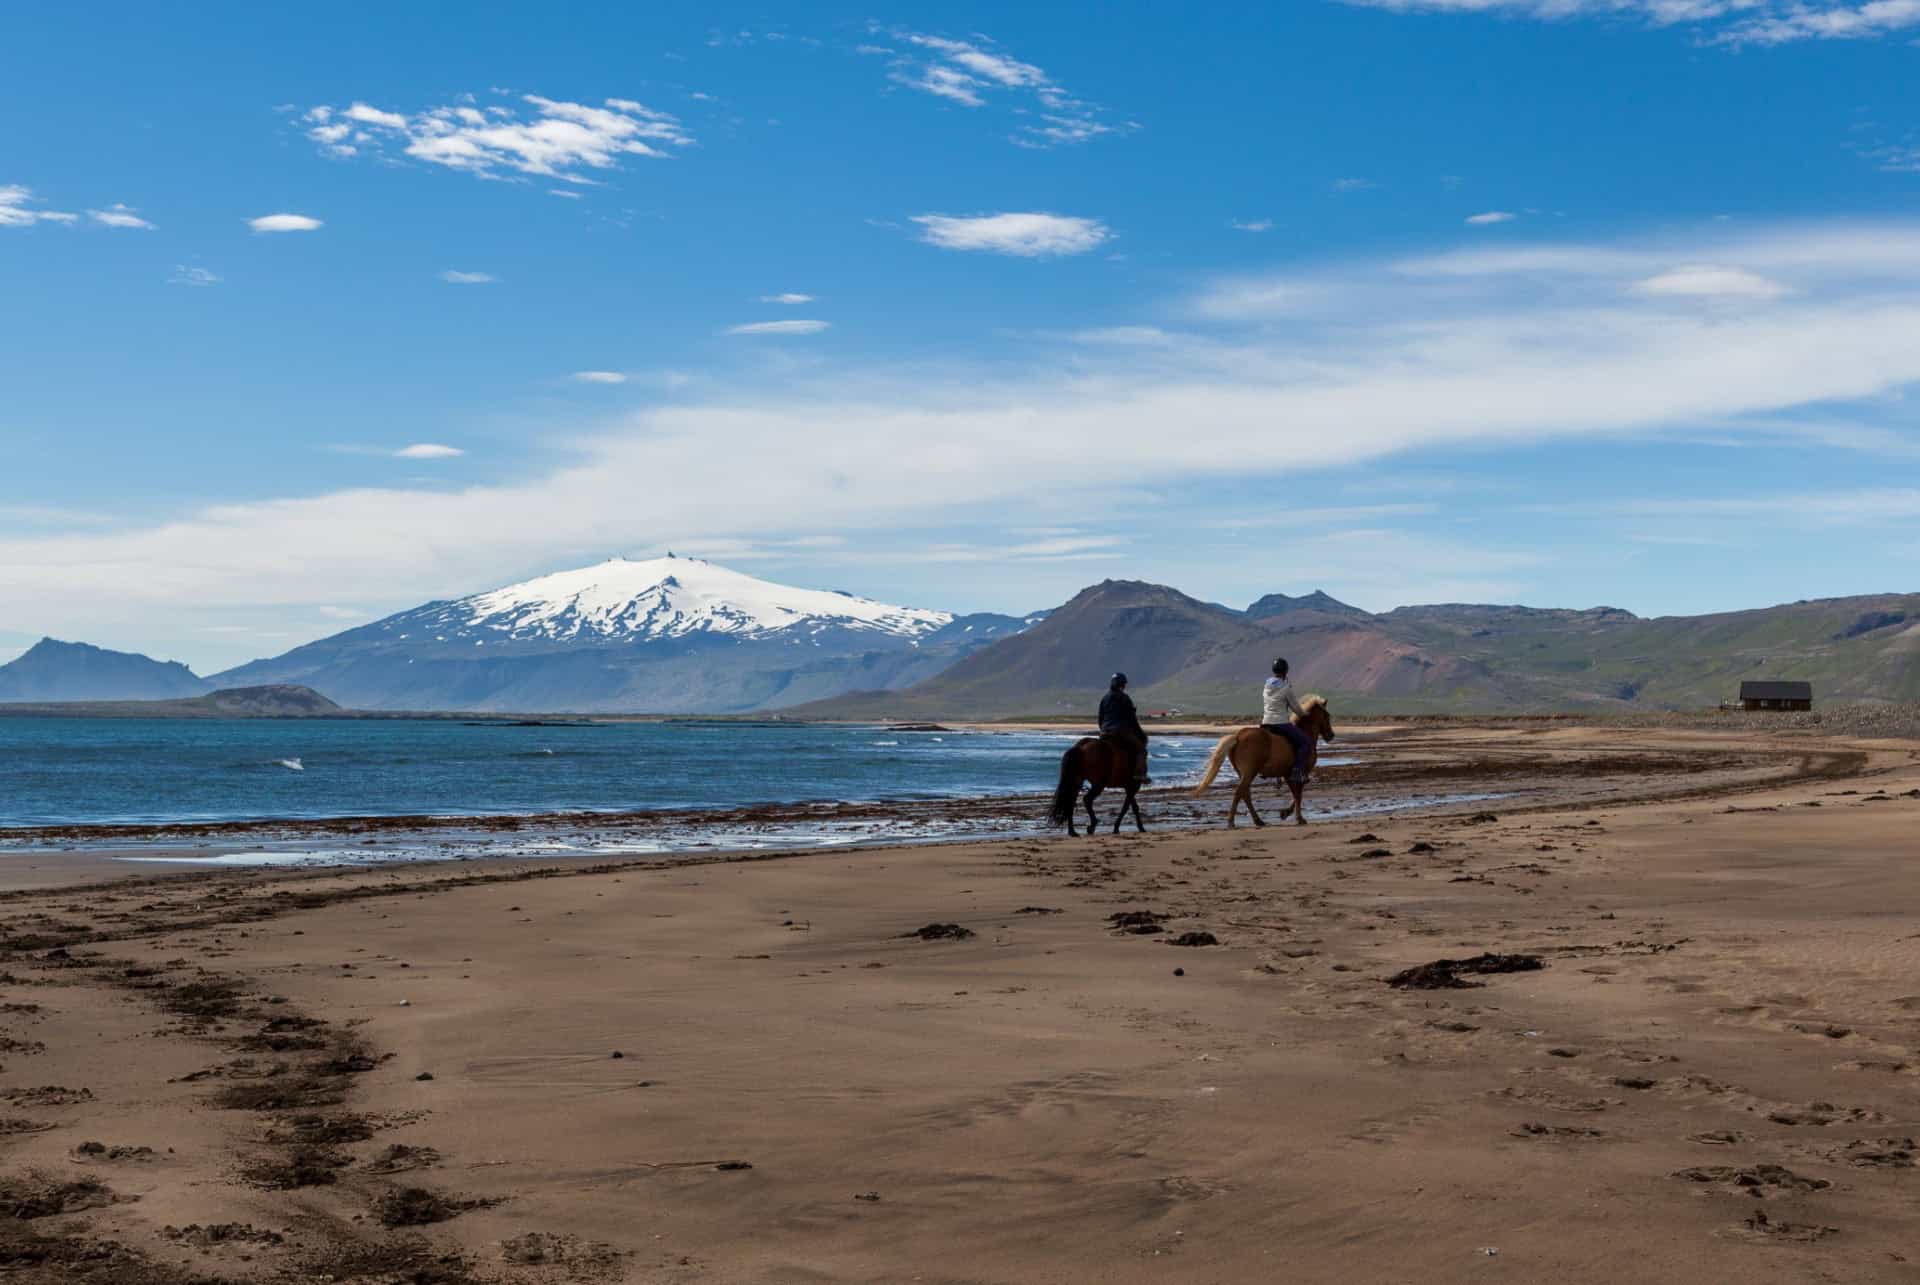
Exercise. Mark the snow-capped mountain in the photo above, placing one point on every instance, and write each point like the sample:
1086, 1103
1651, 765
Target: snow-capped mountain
667, 597
664, 635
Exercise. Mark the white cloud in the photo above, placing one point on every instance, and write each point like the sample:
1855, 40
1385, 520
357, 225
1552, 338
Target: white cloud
1491, 216
183, 275
284, 223
118, 216
1352, 184
789, 297
374, 116
599, 377
563, 194
453, 276
1251, 225
1029, 235
969, 72
1374, 360
1727, 22
795, 327
16, 209
427, 451
546, 137
1705, 281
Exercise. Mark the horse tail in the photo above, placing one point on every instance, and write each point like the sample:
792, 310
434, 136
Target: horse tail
1067, 793
1213, 764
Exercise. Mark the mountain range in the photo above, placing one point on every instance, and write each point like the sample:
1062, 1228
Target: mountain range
683, 636
1181, 653
52, 670
665, 636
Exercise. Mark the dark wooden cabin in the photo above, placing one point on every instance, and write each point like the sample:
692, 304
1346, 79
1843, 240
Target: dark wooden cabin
1776, 695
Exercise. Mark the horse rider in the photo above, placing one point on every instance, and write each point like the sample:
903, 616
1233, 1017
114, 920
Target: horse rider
1278, 704
1120, 723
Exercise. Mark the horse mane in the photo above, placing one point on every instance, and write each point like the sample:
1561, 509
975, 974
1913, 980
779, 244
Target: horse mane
1312, 703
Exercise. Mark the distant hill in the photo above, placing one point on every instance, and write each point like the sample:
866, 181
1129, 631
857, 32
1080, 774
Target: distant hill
1184, 654
1318, 602
280, 701
1177, 652
51, 670
668, 635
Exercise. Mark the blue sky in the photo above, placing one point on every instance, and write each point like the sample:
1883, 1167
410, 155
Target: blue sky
308, 316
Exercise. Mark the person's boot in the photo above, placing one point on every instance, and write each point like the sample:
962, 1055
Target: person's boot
1140, 776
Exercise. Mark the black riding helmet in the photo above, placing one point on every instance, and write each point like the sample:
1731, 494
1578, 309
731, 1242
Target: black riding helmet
1280, 668
1117, 682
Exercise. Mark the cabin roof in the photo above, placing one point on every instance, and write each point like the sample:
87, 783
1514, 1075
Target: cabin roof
1770, 690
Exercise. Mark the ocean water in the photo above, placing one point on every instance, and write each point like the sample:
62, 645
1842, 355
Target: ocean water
80, 771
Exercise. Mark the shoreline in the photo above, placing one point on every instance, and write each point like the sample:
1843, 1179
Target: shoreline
1399, 771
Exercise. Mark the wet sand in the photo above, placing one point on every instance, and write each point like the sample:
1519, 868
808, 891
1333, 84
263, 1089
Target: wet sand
1711, 1074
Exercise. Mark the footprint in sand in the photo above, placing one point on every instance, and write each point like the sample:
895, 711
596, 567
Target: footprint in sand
1757, 1180
1759, 1226
1567, 1132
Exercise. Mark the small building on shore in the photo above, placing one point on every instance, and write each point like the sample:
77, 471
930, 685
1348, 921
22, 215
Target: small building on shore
1772, 695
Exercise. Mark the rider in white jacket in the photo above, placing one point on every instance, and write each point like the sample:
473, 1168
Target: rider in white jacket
1278, 705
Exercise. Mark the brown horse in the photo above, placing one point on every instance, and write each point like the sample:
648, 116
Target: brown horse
1097, 764
1256, 752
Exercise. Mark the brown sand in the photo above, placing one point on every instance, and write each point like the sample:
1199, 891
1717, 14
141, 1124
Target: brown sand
1712, 1077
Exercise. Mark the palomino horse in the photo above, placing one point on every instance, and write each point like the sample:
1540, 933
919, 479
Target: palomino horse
1098, 764
1256, 752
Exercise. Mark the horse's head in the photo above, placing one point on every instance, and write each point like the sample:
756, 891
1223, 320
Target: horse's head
1317, 720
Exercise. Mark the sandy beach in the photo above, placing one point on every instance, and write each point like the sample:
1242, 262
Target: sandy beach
1695, 1054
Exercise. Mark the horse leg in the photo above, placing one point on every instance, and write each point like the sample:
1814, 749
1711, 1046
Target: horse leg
1121, 815
1093, 821
1243, 793
1299, 808
1139, 826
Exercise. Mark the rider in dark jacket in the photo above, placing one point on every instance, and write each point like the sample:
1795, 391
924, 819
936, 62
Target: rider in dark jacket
1120, 722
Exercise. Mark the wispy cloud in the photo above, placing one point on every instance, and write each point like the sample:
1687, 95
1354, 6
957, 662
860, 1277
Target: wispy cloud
599, 377
795, 327
427, 451
1352, 184
1031, 235
17, 209
1251, 225
454, 277
1129, 336
1705, 281
185, 275
972, 72
284, 223
1489, 217
789, 297
545, 137
1422, 358
1728, 22
118, 216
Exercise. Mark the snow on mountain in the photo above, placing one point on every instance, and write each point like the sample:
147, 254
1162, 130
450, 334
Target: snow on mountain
669, 597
